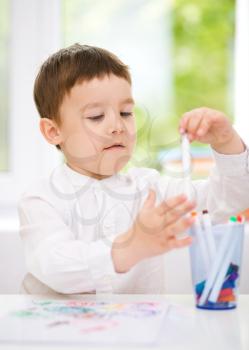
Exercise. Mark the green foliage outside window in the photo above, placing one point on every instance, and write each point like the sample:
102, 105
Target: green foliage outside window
202, 63
203, 33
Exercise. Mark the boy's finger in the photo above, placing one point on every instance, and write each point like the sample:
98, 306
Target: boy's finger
204, 127
180, 226
150, 200
193, 124
184, 122
177, 213
175, 243
190, 116
176, 208
170, 203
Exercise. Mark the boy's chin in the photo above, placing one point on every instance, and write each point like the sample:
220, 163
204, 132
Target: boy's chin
110, 171
111, 168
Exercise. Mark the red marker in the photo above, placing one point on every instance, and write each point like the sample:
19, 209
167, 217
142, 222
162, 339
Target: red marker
239, 218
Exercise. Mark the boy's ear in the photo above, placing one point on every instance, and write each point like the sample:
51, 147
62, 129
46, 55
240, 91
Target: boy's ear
50, 131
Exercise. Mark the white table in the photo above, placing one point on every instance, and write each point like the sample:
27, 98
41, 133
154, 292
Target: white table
185, 327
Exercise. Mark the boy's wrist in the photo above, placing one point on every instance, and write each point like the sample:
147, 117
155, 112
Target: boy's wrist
233, 146
123, 254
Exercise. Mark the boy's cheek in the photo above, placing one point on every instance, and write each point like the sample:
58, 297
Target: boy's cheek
132, 146
79, 146
132, 136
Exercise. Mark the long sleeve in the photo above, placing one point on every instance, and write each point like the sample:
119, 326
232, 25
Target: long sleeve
55, 257
225, 192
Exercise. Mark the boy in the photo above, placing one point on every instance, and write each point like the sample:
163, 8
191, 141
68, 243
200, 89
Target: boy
89, 229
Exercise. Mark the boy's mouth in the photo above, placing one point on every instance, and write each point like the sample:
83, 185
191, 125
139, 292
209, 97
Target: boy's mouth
115, 146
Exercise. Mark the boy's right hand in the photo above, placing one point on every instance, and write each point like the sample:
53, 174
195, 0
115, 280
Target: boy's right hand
154, 232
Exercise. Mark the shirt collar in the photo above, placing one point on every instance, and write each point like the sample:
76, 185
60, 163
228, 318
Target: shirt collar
79, 180
68, 184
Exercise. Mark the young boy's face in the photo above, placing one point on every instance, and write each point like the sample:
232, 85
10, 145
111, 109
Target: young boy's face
94, 116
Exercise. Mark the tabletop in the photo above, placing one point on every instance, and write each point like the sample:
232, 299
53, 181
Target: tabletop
185, 326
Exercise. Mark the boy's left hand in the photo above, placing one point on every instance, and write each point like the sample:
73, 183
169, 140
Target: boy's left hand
213, 127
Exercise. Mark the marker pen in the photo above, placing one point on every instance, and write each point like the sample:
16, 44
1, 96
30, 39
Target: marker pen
197, 229
186, 164
207, 226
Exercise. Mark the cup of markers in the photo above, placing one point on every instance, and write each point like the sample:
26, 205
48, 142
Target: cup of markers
215, 256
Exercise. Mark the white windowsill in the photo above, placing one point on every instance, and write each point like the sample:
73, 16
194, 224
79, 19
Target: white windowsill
9, 222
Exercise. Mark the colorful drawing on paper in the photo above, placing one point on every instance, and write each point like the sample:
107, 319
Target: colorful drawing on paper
84, 322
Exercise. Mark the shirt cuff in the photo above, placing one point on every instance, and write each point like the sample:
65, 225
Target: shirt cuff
101, 265
232, 164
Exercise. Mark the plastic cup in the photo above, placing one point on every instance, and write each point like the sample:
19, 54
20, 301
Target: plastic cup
216, 286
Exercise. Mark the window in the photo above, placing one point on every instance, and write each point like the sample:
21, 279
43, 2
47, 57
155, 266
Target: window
181, 55
164, 42
31, 30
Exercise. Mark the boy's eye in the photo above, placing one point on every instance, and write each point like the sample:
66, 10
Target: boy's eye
100, 117
126, 114
97, 117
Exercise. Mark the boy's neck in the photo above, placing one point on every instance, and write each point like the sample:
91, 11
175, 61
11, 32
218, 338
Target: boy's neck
87, 173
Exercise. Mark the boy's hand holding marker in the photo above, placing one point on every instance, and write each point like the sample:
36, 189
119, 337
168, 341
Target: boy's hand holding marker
209, 126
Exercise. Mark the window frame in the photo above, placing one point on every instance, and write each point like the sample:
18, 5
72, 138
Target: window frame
241, 81
34, 35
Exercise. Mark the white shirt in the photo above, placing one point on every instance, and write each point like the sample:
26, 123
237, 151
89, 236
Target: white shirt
69, 221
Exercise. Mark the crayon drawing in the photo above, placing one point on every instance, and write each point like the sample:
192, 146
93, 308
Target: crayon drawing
83, 322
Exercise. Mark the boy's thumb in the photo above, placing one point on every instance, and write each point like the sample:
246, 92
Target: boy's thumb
151, 199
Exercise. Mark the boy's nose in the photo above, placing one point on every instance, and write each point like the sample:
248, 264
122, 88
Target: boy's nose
118, 131
117, 127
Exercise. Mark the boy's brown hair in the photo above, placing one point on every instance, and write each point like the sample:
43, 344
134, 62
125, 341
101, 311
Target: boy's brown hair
71, 65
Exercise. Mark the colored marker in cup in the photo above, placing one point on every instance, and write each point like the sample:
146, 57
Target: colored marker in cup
221, 254
197, 229
207, 226
225, 265
222, 272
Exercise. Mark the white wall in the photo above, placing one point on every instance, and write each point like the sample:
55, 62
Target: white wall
12, 267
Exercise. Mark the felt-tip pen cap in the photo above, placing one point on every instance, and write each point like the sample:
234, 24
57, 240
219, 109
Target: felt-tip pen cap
239, 218
233, 219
